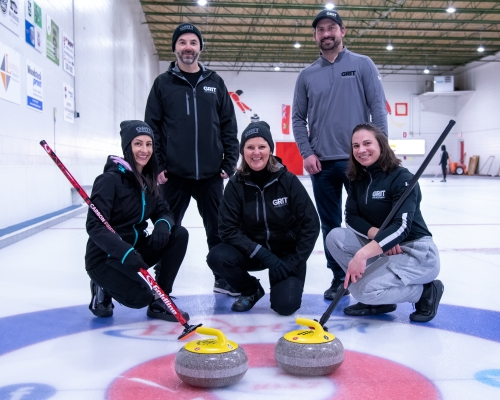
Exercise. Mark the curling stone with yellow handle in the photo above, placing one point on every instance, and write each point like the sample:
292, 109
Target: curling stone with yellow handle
214, 362
309, 352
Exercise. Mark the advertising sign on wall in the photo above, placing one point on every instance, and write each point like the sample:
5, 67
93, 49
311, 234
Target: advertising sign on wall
69, 103
10, 73
52, 40
34, 86
11, 14
68, 55
33, 32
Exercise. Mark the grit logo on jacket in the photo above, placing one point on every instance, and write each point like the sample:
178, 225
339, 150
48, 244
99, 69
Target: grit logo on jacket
209, 89
378, 194
280, 202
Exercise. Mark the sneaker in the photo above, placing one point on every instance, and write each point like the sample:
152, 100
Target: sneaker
245, 303
221, 286
363, 310
101, 303
426, 307
157, 309
443, 180
337, 284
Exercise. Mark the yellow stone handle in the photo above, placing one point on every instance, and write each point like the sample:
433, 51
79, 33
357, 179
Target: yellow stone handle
309, 323
221, 338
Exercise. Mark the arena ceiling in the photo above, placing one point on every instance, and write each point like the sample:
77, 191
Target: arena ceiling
261, 35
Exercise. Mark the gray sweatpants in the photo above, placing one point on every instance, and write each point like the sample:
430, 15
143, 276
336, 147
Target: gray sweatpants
387, 279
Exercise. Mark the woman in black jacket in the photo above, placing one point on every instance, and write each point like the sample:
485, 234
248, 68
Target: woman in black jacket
443, 161
266, 221
127, 195
399, 263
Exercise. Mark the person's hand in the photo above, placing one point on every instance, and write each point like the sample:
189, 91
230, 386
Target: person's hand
134, 261
312, 164
355, 270
278, 269
223, 175
395, 250
160, 236
162, 177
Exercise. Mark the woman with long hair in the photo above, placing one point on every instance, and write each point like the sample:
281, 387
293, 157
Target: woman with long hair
399, 263
127, 196
266, 221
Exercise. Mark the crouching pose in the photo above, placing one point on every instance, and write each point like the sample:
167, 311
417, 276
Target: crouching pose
399, 263
266, 221
127, 195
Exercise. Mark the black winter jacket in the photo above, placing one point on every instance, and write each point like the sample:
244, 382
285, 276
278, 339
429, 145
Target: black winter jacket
117, 197
195, 128
280, 217
371, 199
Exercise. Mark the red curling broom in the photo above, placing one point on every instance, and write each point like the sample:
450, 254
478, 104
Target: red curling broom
144, 274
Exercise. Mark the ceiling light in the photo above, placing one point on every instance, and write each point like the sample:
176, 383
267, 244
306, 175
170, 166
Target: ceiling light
202, 2
426, 70
480, 49
297, 45
329, 6
277, 68
389, 47
451, 10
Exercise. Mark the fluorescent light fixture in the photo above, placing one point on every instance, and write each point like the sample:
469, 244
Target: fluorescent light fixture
202, 2
297, 45
389, 47
451, 10
329, 6
277, 68
480, 49
426, 70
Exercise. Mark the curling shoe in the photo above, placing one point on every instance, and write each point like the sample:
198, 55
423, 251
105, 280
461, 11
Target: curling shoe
336, 285
221, 286
100, 304
364, 310
157, 309
426, 307
246, 303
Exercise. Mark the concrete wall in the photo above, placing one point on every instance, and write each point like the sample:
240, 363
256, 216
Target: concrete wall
115, 66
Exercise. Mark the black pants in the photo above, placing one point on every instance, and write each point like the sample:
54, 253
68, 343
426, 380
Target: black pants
228, 262
127, 286
207, 193
443, 168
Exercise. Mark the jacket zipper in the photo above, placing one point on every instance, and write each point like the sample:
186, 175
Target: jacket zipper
142, 217
368, 187
257, 205
187, 103
264, 215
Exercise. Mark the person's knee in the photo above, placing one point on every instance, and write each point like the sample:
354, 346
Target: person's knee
335, 240
180, 234
216, 257
135, 299
286, 296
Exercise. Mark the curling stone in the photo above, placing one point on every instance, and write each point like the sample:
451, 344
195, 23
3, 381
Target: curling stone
214, 362
310, 352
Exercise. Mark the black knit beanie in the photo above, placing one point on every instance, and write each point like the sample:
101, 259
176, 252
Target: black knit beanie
257, 129
133, 128
186, 28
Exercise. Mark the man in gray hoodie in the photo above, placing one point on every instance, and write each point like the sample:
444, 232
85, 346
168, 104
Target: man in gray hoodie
340, 90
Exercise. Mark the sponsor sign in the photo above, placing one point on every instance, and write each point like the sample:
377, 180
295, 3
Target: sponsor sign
10, 73
52, 41
11, 14
69, 103
33, 32
34, 86
68, 54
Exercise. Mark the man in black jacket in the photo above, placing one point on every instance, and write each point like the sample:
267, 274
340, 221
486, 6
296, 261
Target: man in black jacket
192, 117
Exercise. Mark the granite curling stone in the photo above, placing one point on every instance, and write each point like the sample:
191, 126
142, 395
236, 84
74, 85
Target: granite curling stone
310, 352
211, 363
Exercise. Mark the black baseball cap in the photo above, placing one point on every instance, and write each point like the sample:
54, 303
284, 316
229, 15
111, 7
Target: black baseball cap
333, 15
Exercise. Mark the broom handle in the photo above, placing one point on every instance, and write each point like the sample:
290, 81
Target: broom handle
326, 316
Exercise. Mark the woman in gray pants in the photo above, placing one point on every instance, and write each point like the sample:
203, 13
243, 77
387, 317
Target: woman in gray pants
399, 263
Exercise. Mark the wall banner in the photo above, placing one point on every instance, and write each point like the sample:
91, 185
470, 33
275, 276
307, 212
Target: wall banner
52, 41
11, 14
68, 55
69, 103
34, 86
33, 32
285, 119
10, 73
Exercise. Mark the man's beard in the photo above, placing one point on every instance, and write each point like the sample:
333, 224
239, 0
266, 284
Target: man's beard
188, 58
330, 46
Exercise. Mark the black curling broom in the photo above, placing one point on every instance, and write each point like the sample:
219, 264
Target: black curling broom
144, 274
326, 316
